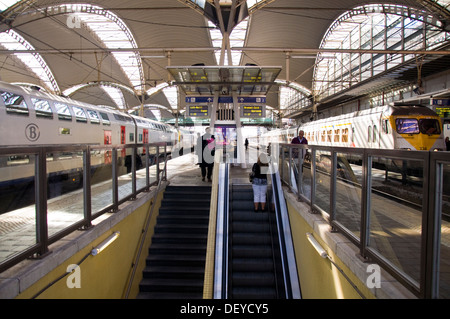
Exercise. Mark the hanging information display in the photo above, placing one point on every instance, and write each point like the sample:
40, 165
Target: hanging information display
252, 111
198, 110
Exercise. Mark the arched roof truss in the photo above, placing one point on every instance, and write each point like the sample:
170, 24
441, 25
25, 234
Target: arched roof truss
113, 33
113, 90
11, 40
372, 27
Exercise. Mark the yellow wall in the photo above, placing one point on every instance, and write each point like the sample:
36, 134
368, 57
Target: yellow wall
319, 278
104, 276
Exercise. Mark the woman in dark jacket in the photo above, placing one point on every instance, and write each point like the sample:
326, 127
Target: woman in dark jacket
206, 145
259, 183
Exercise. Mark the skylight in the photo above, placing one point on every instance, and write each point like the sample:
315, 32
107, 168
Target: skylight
378, 26
115, 94
237, 39
5, 4
170, 92
11, 40
114, 33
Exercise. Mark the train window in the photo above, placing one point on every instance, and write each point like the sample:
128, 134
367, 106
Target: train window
79, 114
385, 126
14, 103
63, 112
322, 136
375, 133
42, 108
329, 132
93, 116
429, 126
407, 126
369, 134
105, 118
64, 131
131, 137
345, 135
337, 135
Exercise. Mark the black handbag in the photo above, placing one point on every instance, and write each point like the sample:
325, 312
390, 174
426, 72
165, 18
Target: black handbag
251, 176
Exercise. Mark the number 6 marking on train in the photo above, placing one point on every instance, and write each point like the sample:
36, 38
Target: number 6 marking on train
32, 132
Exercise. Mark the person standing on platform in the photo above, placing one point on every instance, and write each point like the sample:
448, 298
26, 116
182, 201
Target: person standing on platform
300, 139
259, 183
246, 144
206, 145
447, 143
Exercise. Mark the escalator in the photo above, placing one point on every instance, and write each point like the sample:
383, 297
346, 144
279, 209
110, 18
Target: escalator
255, 258
252, 271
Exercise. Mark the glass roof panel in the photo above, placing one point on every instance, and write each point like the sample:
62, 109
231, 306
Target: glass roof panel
116, 95
114, 34
209, 79
237, 39
11, 40
377, 27
200, 3
5, 4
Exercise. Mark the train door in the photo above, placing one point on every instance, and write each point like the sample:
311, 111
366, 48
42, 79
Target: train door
123, 139
144, 138
107, 136
122, 135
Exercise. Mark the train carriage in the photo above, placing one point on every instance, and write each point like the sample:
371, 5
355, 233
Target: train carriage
29, 117
409, 127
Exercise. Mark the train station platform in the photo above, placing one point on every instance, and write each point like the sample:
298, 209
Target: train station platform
341, 273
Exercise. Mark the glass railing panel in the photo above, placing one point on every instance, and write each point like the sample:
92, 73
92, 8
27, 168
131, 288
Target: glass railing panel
124, 166
349, 181
140, 168
395, 221
101, 179
17, 204
322, 184
444, 260
65, 203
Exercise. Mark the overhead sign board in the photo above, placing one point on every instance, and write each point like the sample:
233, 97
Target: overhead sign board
199, 99
198, 110
251, 99
254, 111
226, 99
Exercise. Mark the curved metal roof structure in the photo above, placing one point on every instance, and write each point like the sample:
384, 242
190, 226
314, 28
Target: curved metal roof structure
116, 52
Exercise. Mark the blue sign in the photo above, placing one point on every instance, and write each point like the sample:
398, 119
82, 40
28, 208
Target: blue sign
226, 99
251, 99
438, 102
199, 99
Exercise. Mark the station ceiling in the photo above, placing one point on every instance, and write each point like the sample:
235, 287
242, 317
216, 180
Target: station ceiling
83, 53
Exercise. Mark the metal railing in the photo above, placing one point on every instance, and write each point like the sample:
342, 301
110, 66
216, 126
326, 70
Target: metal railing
392, 204
288, 265
50, 191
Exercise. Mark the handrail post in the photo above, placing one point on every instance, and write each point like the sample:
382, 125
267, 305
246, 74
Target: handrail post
87, 186
41, 204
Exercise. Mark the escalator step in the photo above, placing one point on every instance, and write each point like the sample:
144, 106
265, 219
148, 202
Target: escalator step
253, 279
253, 293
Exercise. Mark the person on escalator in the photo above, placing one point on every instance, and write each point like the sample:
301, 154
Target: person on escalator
259, 183
206, 145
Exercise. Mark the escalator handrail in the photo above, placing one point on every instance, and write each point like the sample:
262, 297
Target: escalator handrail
289, 264
221, 251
